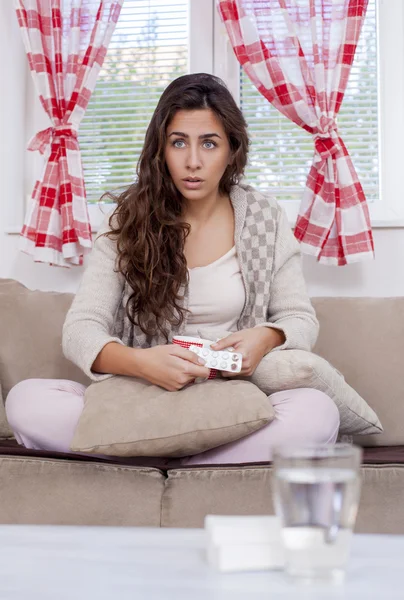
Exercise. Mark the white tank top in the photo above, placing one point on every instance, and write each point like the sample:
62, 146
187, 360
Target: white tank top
216, 295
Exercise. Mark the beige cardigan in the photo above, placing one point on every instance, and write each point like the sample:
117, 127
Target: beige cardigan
270, 265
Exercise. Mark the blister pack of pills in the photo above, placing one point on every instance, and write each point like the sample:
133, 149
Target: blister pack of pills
222, 360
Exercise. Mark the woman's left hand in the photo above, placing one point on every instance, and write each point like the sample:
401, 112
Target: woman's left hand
253, 344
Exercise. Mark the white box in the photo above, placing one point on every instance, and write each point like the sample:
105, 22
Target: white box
246, 557
229, 530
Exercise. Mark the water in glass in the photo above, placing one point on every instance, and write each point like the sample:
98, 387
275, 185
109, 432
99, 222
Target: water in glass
317, 505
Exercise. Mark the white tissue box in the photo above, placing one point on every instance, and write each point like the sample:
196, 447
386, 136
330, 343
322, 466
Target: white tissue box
246, 557
242, 530
244, 543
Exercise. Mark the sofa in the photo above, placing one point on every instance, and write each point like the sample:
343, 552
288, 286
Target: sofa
362, 337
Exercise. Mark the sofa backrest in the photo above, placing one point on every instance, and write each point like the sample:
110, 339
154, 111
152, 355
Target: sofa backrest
362, 337
31, 338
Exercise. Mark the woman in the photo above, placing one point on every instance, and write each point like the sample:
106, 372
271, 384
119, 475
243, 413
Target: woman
187, 248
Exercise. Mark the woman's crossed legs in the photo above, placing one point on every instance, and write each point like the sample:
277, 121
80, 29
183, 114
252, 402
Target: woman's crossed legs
43, 413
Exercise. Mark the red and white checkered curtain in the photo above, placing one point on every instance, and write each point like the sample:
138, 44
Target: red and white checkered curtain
299, 55
66, 42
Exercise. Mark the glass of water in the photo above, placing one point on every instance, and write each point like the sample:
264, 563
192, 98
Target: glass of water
316, 495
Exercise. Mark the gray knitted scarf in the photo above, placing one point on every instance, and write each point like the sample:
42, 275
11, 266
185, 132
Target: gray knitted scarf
256, 217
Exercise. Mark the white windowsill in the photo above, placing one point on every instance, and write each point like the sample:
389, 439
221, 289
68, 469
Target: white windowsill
382, 215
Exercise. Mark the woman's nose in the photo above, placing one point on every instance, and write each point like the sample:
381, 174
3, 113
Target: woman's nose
194, 159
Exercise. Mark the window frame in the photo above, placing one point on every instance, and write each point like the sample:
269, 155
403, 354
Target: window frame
210, 51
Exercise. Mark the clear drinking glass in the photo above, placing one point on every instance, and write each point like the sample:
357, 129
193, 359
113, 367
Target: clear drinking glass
316, 495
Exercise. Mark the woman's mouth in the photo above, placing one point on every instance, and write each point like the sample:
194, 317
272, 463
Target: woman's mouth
192, 183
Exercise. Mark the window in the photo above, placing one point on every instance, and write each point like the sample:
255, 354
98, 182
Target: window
281, 152
148, 49
370, 120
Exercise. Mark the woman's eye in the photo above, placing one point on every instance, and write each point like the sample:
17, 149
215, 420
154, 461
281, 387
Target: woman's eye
178, 144
208, 145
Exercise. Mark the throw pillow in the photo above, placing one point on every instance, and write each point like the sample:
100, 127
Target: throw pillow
291, 369
31, 339
127, 416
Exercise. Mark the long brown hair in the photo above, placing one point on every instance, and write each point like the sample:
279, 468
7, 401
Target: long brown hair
146, 222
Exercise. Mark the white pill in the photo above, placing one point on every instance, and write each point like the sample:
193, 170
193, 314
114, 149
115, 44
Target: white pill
213, 363
225, 355
214, 354
223, 365
205, 352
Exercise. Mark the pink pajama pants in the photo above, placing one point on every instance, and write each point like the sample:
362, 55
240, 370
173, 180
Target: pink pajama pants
43, 414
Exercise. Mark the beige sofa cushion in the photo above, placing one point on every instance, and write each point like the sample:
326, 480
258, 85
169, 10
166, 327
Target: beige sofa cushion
192, 493
364, 339
127, 416
31, 339
68, 492
292, 369
31, 335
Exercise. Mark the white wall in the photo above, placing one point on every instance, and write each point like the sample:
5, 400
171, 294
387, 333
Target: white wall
382, 277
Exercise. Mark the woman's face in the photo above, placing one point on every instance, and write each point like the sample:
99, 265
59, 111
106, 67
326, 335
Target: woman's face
197, 153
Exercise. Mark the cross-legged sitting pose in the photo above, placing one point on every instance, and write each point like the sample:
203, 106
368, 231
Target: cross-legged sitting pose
188, 247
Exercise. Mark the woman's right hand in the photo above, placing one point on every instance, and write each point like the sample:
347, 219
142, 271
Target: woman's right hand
170, 366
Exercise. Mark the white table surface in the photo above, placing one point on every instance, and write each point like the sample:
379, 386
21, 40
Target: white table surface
44, 562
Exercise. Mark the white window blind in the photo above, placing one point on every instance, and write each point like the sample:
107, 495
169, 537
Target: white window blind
281, 152
148, 49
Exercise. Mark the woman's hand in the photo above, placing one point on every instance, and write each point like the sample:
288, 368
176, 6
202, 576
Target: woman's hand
171, 366
253, 344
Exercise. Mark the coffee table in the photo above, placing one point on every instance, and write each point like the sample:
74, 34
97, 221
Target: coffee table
53, 562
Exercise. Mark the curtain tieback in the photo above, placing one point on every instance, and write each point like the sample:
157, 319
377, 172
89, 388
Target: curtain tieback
326, 142
44, 138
